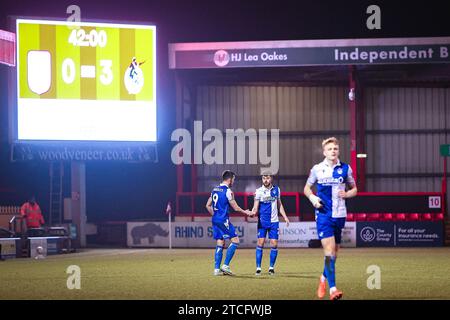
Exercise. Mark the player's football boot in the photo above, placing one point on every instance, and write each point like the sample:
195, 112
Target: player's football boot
321, 290
258, 272
336, 295
226, 270
271, 272
218, 272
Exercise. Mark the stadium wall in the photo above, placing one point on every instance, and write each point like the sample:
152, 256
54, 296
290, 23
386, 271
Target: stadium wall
404, 128
292, 109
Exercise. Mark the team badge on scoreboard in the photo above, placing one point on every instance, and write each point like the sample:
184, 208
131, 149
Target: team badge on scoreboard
134, 77
39, 72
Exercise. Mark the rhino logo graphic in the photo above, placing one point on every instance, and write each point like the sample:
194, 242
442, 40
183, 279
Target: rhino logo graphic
149, 231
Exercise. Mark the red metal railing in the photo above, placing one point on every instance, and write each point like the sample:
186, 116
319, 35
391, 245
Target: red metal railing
194, 203
196, 211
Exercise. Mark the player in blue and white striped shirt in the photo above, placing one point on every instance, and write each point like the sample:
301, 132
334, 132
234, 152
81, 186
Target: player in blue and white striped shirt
267, 200
218, 206
331, 177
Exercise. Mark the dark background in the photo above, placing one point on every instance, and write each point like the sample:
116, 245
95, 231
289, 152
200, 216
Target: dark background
121, 191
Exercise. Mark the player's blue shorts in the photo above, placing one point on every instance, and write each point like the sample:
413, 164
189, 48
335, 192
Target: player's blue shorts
328, 227
223, 231
272, 230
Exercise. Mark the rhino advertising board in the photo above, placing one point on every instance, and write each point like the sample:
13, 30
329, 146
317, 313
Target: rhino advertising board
200, 234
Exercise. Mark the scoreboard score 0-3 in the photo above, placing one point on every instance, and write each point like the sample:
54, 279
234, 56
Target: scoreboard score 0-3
85, 81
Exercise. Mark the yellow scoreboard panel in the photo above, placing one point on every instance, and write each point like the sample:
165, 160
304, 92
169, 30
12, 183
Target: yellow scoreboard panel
86, 81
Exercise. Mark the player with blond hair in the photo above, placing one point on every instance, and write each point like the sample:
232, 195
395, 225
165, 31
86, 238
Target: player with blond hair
331, 177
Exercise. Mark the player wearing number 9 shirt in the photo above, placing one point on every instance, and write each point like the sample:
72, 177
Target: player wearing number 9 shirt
218, 206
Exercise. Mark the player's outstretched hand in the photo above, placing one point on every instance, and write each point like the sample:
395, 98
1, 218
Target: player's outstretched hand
316, 201
287, 222
342, 194
318, 204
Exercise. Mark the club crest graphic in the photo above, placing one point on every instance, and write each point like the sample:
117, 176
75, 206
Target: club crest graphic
134, 77
39, 71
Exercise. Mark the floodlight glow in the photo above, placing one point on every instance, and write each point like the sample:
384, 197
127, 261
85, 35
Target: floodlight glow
361, 155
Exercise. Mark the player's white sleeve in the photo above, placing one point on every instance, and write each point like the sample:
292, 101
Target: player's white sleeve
279, 193
350, 179
312, 176
229, 195
257, 195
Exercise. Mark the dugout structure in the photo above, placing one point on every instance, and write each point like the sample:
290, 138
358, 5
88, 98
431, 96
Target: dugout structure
387, 100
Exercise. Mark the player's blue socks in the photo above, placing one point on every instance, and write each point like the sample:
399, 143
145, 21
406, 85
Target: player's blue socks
218, 256
273, 256
230, 253
324, 272
330, 270
259, 255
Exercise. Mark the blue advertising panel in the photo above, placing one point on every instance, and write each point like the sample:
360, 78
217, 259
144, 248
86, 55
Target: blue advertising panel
399, 234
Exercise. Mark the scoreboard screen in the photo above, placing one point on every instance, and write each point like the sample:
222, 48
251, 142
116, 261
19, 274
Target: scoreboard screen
85, 81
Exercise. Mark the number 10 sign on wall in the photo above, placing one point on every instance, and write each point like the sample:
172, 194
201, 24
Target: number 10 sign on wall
100, 76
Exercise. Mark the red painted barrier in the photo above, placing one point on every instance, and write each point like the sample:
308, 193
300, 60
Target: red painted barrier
193, 204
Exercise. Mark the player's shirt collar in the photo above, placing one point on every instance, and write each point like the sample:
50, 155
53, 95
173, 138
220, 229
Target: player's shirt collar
223, 184
336, 165
264, 187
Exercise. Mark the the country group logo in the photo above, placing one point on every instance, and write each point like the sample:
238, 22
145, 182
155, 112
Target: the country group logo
368, 234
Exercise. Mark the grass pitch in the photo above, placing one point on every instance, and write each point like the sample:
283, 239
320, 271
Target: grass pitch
410, 273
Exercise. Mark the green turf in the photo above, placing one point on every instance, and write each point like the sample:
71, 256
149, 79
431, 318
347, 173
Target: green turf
411, 273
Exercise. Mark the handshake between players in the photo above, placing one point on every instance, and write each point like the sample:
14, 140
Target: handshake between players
266, 204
